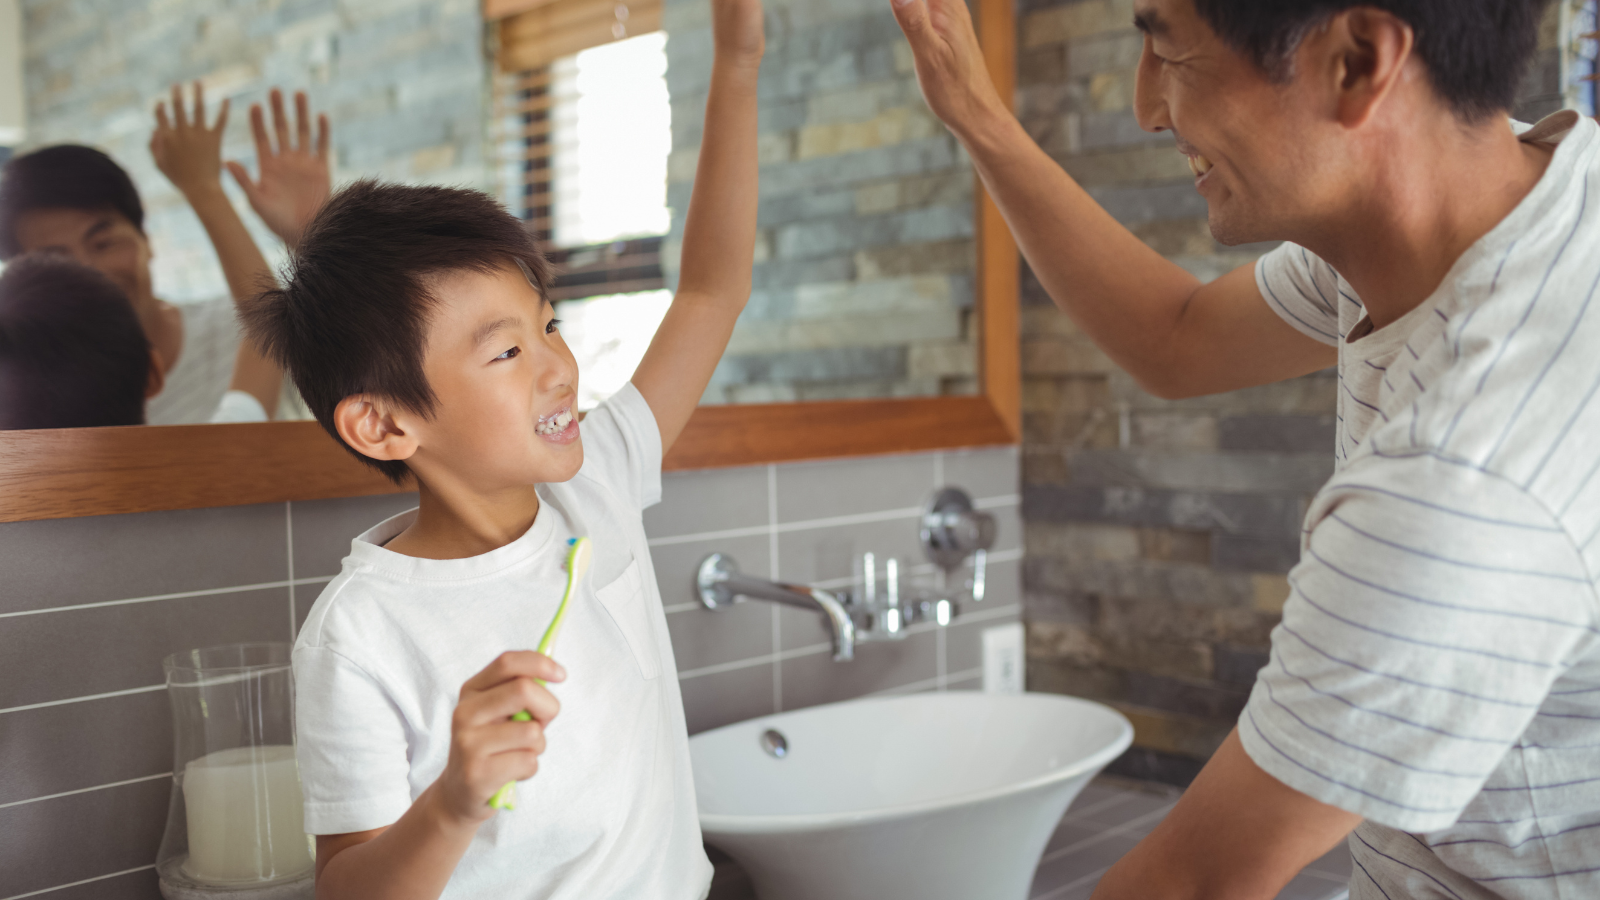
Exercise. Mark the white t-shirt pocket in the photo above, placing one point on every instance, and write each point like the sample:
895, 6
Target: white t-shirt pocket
624, 599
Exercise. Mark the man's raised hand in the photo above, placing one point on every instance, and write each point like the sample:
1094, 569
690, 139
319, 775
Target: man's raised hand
294, 180
949, 61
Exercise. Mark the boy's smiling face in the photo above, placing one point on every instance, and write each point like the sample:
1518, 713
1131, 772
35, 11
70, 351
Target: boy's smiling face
505, 383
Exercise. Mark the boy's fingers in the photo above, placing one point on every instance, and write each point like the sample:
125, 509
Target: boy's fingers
515, 664
322, 136
302, 122
199, 105
280, 122
243, 178
162, 124
507, 737
506, 700
258, 129
178, 114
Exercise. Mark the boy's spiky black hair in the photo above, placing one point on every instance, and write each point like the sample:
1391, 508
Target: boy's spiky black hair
352, 317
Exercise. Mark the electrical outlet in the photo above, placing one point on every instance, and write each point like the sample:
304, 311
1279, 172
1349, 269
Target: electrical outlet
1003, 662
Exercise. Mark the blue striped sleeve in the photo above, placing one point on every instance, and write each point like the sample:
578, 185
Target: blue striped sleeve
1419, 640
1301, 289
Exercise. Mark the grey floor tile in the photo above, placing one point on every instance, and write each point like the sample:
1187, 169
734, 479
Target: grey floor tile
816, 678
1139, 807
714, 500
76, 653
851, 486
1311, 886
676, 564
1335, 862
64, 562
1077, 861
984, 472
323, 529
64, 748
109, 830
712, 701
1068, 833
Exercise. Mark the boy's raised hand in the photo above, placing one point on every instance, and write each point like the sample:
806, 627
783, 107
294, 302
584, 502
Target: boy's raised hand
294, 180
487, 747
185, 150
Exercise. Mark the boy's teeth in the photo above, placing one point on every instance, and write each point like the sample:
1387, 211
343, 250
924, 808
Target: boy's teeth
1199, 165
555, 425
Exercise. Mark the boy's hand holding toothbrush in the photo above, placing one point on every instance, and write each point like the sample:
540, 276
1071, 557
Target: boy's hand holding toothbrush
487, 747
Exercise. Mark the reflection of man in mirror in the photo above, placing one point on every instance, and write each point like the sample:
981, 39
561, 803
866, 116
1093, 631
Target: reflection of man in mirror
73, 353
77, 201
1433, 691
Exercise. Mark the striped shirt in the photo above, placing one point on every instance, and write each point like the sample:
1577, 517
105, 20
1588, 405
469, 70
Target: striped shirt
196, 384
1437, 670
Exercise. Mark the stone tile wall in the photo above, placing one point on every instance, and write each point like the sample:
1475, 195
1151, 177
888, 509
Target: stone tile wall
864, 263
404, 82
1158, 532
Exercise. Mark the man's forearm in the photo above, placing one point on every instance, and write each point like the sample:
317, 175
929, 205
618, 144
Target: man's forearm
412, 859
1124, 295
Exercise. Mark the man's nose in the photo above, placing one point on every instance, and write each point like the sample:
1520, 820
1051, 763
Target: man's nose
1149, 106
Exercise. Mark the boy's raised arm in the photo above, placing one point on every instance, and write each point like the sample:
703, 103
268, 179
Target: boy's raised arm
719, 236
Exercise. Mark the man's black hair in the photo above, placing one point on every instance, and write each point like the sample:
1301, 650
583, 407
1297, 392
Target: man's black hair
353, 317
72, 351
66, 176
1476, 51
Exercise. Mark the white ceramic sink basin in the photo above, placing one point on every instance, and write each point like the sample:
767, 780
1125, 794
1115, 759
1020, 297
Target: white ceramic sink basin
946, 796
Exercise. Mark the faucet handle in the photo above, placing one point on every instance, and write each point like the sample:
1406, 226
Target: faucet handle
952, 529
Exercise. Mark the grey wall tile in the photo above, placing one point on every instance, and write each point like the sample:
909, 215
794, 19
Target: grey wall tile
963, 646
711, 701
61, 562
676, 564
988, 472
66, 748
823, 554
717, 500
706, 637
846, 487
974, 683
323, 529
74, 653
132, 886
816, 678
79, 836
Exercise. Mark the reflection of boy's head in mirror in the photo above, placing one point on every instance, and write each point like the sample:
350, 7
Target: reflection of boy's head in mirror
416, 326
76, 201
72, 352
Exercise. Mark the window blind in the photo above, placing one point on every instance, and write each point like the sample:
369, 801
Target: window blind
531, 35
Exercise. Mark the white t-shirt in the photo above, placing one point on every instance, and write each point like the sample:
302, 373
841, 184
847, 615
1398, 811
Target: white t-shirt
1438, 666
196, 385
381, 659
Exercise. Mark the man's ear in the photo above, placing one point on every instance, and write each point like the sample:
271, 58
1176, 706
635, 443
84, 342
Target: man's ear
156, 378
1371, 50
368, 425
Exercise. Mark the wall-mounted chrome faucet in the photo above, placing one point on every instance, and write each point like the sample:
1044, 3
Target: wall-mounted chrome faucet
880, 608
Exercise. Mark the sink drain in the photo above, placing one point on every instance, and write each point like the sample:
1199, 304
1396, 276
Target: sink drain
776, 745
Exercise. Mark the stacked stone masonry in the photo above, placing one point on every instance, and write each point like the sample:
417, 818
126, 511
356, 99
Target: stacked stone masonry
863, 283
1159, 533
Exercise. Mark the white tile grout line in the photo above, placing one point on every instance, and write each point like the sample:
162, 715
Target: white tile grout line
98, 787
76, 883
138, 690
1004, 501
924, 684
288, 519
776, 615
181, 595
737, 664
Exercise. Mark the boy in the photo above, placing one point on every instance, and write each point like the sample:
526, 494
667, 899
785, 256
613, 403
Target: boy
72, 354
416, 326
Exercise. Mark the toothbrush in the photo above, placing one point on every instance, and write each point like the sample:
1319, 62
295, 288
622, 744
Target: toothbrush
580, 551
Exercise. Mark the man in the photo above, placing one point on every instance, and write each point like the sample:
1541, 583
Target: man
1434, 689
76, 201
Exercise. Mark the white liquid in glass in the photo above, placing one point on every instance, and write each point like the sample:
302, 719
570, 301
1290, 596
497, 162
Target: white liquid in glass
246, 822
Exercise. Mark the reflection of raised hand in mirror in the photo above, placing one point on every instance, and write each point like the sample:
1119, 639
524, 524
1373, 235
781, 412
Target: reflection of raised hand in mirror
294, 180
190, 154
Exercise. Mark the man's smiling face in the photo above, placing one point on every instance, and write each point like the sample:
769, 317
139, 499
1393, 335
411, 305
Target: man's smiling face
1249, 138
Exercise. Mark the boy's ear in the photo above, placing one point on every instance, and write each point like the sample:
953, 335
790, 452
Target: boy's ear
156, 378
367, 425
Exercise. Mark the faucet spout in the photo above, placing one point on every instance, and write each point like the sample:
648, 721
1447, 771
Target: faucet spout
719, 583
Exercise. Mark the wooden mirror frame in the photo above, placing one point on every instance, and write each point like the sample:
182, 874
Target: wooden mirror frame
71, 472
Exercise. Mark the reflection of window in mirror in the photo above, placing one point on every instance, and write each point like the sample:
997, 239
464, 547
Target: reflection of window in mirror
587, 134
12, 104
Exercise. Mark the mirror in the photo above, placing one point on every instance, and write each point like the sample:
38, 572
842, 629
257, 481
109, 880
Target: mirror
870, 221
583, 116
